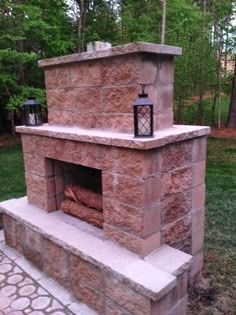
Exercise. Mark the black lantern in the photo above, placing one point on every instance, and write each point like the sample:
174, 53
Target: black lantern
32, 111
143, 116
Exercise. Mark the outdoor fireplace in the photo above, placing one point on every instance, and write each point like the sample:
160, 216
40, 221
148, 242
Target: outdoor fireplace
148, 192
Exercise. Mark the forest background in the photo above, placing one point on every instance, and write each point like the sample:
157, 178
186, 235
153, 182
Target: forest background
204, 76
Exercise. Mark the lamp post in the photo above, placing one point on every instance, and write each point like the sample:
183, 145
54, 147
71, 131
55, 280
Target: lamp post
143, 116
32, 111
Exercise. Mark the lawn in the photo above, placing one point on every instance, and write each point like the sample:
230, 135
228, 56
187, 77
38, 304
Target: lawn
220, 236
12, 183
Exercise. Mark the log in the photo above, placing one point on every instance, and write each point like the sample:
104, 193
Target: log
86, 214
84, 196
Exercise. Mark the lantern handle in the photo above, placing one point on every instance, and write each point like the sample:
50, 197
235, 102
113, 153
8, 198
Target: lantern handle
143, 88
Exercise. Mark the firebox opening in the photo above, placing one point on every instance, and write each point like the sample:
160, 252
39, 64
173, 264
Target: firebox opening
81, 191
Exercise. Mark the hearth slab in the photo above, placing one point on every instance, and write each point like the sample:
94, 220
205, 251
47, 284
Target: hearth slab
142, 275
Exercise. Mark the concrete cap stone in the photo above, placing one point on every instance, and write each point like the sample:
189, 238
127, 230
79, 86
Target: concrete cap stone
139, 47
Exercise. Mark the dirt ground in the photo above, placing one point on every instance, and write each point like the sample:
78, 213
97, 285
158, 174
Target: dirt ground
223, 133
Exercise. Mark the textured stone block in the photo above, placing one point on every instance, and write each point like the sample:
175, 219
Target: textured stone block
34, 239
117, 122
177, 231
42, 201
89, 296
57, 77
40, 185
34, 256
38, 165
86, 272
86, 74
55, 253
126, 189
197, 264
134, 243
180, 308
163, 120
176, 181
20, 236
121, 71
176, 155
197, 241
126, 297
199, 171
198, 197
57, 271
175, 206
199, 149
198, 218
112, 308
82, 100
59, 184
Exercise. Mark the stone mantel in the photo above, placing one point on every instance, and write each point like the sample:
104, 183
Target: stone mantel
139, 47
112, 138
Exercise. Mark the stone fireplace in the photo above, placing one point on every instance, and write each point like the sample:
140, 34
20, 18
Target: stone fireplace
152, 189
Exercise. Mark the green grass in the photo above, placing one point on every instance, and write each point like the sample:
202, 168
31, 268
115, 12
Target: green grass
12, 182
189, 112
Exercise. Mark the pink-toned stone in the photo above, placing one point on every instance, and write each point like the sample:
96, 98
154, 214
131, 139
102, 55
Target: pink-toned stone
42, 201
175, 206
177, 231
121, 71
89, 296
163, 120
57, 77
34, 256
198, 197
197, 264
55, 252
180, 290
79, 99
180, 308
198, 218
176, 181
126, 189
199, 170
34, 239
20, 236
197, 241
199, 149
40, 185
126, 297
151, 220
86, 74
134, 243
176, 155
112, 308
117, 122
59, 184
85, 271
119, 99
184, 245
166, 71
57, 271
37, 165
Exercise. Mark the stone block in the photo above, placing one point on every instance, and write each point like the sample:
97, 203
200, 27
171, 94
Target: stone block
119, 99
57, 77
126, 297
83, 270
180, 308
163, 120
176, 181
184, 245
197, 264
125, 189
175, 206
20, 236
117, 122
121, 71
198, 218
59, 184
166, 71
42, 201
81, 100
34, 239
199, 171
89, 296
33, 255
86, 74
112, 308
38, 165
197, 241
57, 271
180, 290
198, 199
199, 149
55, 252
40, 185
136, 244
177, 231
176, 155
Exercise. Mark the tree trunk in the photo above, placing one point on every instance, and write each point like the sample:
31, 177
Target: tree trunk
163, 26
83, 7
231, 122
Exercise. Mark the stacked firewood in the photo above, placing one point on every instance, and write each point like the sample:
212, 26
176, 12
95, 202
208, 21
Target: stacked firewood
84, 204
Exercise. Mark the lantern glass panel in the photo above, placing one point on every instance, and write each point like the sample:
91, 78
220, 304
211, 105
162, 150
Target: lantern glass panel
144, 120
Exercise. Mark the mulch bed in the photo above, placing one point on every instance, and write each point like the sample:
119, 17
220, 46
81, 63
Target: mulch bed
223, 133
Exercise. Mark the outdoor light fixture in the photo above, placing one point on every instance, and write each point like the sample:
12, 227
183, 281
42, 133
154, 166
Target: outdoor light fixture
143, 116
32, 111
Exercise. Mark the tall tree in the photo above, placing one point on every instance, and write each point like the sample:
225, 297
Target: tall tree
231, 123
